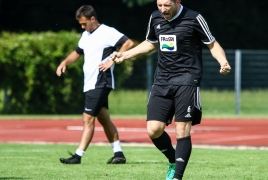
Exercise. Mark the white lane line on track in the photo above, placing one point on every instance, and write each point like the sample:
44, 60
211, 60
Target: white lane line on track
122, 129
239, 138
210, 128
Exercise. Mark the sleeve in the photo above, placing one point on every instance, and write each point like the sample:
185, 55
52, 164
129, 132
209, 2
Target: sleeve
79, 50
150, 35
203, 30
113, 37
121, 41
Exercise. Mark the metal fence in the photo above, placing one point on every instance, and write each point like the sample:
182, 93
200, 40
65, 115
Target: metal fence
249, 68
249, 72
252, 71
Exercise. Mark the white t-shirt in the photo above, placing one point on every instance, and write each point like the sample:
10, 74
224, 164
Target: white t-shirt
97, 47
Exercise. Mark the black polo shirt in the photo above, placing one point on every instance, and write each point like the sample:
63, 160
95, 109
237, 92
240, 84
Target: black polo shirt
179, 46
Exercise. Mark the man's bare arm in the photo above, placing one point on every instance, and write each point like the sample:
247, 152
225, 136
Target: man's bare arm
68, 60
219, 54
142, 48
126, 46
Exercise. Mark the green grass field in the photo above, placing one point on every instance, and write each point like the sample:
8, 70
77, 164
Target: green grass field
41, 162
214, 103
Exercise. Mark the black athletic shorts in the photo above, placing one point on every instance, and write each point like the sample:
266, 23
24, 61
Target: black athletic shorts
95, 99
183, 102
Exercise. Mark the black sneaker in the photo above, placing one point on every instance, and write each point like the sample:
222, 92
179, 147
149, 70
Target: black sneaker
117, 160
72, 160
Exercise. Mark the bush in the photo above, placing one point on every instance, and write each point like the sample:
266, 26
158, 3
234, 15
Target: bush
28, 70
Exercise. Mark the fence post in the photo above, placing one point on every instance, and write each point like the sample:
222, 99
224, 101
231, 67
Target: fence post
238, 61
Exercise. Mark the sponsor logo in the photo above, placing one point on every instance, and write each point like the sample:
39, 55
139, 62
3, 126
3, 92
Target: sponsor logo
163, 150
86, 109
168, 43
169, 47
167, 39
158, 26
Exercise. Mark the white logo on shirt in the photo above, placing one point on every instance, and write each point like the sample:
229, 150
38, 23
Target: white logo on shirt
158, 26
168, 42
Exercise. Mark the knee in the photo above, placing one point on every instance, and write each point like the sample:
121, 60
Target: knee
183, 129
154, 131
88, 119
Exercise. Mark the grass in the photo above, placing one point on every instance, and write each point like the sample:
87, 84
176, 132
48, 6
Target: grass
28, 161
223, 102
35, 161
128, 102
214, 103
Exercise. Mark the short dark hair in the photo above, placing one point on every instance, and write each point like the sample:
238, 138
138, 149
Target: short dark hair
87, 11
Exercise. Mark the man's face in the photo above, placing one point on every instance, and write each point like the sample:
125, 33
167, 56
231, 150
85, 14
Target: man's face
168, 8
85, 23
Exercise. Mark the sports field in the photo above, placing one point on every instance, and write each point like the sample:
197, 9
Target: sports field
223, 149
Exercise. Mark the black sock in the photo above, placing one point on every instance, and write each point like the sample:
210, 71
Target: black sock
119, 154
163, 143
183, 153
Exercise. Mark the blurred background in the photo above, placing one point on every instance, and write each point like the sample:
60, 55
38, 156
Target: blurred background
35, 36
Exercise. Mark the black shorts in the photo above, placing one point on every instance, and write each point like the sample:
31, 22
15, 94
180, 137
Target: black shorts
95, 99
183, 102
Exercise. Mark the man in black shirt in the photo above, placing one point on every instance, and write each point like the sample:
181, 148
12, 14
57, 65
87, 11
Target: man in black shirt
178, 33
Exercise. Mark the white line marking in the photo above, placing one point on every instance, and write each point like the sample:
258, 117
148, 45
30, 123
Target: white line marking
209, 128
122, 129
239, 138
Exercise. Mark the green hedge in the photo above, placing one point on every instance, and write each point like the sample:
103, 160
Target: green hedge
28, 63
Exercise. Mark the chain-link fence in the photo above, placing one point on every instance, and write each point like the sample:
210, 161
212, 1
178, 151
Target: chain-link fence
253, 71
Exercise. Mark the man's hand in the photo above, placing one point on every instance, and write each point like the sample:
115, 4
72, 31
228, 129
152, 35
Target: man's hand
117, 57
106, 65
61, 69
225, 68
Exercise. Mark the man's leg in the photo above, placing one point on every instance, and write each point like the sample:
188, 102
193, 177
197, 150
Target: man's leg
86, 137
183, 148
161, 139
88, 131
163, 142
112, 136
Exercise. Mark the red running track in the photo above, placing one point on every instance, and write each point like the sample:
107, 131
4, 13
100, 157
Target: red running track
210, 132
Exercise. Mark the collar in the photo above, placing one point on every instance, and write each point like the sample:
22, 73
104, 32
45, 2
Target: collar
181, 7
95, 29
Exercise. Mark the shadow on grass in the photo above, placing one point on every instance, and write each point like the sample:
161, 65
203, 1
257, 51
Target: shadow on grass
6, 178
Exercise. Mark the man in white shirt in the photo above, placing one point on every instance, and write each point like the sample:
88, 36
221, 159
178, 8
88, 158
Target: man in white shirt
98, 41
